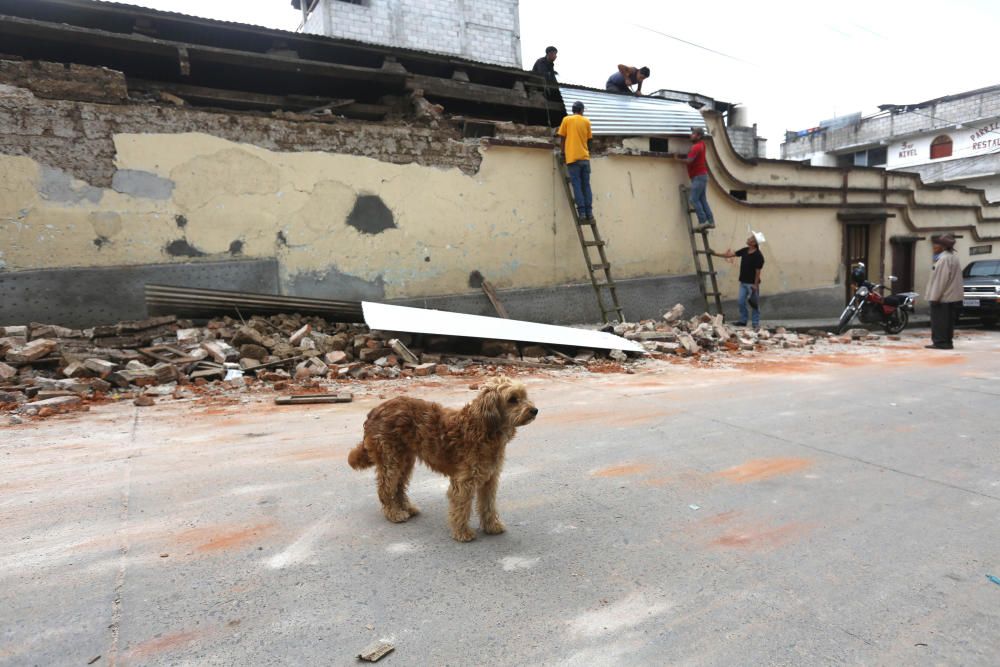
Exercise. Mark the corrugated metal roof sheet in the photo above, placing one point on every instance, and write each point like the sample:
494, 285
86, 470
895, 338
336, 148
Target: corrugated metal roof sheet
626, 115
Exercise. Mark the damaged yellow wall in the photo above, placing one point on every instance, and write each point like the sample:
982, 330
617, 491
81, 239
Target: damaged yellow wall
186, 197
511, 220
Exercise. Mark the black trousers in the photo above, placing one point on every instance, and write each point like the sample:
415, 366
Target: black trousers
943, 317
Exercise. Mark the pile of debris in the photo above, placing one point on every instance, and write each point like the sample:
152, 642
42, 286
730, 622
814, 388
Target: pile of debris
708, 334
46, 369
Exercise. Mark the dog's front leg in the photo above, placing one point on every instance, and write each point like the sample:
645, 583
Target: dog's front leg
460, 496
487, 500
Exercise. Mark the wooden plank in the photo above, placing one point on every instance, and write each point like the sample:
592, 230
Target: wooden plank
228, 96
491, 294
305, 399
168, 354
274, 364
240, 99
134, 43
501, 361
475, 92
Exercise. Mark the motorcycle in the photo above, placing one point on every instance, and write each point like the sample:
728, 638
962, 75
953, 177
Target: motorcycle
892, 312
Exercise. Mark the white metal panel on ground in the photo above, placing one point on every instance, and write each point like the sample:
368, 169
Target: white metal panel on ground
627, 115
422, 320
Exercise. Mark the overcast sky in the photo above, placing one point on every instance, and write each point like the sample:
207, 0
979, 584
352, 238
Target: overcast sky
791, 62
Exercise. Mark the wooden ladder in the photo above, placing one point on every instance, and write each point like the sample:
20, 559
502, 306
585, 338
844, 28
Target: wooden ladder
708, 281
601, 283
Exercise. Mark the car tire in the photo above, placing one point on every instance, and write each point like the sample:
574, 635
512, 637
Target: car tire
989, 322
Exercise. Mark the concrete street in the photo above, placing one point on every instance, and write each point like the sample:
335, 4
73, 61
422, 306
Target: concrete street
801, 509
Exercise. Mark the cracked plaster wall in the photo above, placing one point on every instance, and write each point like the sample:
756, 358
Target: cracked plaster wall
183, 197
84, 184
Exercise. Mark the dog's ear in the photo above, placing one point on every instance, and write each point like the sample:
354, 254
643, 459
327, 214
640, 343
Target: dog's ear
489, 406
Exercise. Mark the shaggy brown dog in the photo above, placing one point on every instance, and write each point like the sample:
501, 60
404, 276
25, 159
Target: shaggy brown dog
467, 445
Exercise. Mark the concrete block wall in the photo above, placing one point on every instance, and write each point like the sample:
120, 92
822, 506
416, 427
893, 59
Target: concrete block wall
870, 131
746, 142
484, 30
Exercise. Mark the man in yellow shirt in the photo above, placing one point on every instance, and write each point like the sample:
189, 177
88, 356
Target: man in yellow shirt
576, 136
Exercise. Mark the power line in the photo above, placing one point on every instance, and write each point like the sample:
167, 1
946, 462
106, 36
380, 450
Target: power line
697, 46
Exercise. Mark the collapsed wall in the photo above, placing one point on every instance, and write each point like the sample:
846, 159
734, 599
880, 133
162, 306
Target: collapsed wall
97, 177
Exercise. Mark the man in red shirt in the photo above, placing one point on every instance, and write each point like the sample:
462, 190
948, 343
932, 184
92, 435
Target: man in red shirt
698, 173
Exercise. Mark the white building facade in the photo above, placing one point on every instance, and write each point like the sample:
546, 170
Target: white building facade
484, 30
953, 140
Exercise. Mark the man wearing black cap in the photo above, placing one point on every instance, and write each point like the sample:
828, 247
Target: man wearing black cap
944, 292
576, 135
545, 65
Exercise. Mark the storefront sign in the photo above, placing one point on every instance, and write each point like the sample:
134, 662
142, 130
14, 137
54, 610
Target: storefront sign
907, 150
986, 137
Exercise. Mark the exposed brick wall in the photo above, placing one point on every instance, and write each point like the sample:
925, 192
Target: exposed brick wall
485, 30
59, 81
77, 137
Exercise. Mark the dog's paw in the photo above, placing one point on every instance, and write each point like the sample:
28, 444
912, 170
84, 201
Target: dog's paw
396, 515
494, 527
465, 534
412, 509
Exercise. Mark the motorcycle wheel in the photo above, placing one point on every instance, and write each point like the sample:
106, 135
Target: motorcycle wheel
845, 318
897, 321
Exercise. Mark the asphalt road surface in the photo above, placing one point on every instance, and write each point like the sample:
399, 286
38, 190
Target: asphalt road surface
799, 510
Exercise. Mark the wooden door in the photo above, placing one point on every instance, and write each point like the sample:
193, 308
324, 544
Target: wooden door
903, 264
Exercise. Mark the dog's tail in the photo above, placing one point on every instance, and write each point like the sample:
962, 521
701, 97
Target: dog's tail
359, 458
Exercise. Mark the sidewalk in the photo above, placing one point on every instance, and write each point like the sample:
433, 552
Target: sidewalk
830, 324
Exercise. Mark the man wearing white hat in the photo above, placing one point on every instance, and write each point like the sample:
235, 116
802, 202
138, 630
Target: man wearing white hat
751, 264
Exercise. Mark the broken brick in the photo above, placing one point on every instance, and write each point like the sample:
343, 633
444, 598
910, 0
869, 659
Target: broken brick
100, 367
247, 336
53, 405
371, 354
297, 337
7, 372
220, 351
335, 357
253, 351
165, 372
403, 352
32, 351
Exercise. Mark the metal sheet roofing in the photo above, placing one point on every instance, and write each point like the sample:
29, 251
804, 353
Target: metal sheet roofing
626, 115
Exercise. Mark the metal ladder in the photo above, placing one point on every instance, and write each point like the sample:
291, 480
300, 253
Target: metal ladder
607, 283
708, 281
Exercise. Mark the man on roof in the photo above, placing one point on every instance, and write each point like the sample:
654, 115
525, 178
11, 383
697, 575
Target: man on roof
545, 66
621, 82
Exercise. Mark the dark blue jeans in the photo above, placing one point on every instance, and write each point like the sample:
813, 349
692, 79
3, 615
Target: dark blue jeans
745, 297
699, 200
579, 176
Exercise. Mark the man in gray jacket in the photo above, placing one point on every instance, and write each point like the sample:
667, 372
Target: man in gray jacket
944, 292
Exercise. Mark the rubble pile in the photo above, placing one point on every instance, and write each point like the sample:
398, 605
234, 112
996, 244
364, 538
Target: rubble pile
708, 334
47, 369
